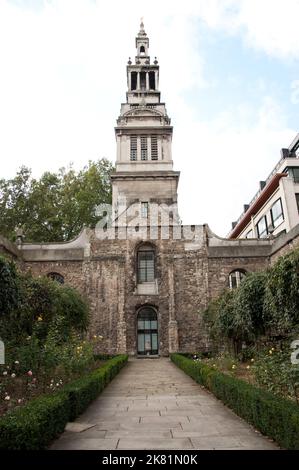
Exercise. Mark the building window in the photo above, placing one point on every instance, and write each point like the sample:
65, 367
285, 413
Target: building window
143, 147
262, 227
147, 330
146, 264
142, 80
235, 278
277, 213
297, 200
152, 81
133, 80
154, 147
133, 148
249, 234
144, 209
294, 173
56, 277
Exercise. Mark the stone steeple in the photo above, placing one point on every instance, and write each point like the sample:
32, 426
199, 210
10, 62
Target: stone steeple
144, 167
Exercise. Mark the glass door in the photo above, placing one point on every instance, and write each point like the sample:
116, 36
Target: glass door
147, 332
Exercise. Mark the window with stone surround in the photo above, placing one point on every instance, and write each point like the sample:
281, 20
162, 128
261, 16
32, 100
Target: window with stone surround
145, 264
235, 278
143, 146
56, 277
133, 148
154, 147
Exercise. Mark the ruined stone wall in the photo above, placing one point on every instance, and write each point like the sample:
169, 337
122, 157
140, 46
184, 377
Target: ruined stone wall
188, 276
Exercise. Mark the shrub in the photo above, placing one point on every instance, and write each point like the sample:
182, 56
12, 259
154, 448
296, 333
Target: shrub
9, 287
34, 425
276, 417
281, 303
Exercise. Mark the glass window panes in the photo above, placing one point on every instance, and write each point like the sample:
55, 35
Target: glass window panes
277, 213
143, 145
56, 277
146, 265
249, 234
144, 209
235, 278
133, 148
294, 172
154, 147
262, 227
147, 335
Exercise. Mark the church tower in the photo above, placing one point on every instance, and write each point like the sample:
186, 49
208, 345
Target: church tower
144, 168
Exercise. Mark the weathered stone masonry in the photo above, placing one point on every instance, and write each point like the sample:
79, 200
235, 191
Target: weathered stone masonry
187, 269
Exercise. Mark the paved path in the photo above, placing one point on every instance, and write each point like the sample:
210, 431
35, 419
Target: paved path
152, 404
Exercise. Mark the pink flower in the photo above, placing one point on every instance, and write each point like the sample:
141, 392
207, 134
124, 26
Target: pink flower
34, 379
29, 373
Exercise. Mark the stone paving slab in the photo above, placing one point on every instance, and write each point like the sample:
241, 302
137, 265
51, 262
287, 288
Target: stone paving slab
152, 404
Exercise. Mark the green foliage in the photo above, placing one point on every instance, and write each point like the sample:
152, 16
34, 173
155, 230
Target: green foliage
281, 303
38, 307
84, 390
9, 287
274, 371
36, 424
265, 303
33, 426
58, 205
248, 322
274, 416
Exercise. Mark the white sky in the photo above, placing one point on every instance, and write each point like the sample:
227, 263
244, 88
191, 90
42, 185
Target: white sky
63, 77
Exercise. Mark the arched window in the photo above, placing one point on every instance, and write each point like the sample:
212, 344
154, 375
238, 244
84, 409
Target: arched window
142, 50
147, 331
145, 264
235, 278
56, 277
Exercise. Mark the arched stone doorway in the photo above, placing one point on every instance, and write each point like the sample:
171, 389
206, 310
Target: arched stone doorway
147, 332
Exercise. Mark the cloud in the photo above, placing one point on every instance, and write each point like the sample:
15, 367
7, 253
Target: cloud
63, 78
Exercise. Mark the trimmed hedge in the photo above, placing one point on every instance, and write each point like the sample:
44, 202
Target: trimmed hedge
36, 424
275, 417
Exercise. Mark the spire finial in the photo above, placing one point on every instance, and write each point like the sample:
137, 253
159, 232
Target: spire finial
142, 31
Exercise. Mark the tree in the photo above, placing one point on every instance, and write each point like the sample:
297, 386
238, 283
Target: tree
55, 207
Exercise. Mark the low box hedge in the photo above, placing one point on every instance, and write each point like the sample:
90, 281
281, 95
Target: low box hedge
36, 424
276, 417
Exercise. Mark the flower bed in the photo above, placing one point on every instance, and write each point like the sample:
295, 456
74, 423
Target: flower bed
35, 424
275, 417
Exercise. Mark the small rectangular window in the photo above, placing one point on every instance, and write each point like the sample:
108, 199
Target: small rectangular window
133, 148
143, 147
249, 234
154, 147
144, 209
294, 173
277, 213
262, 227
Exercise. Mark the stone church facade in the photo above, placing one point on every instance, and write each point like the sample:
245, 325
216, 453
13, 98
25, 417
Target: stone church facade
146, 277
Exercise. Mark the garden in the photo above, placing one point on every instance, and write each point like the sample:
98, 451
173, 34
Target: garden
51, 371
252, 364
